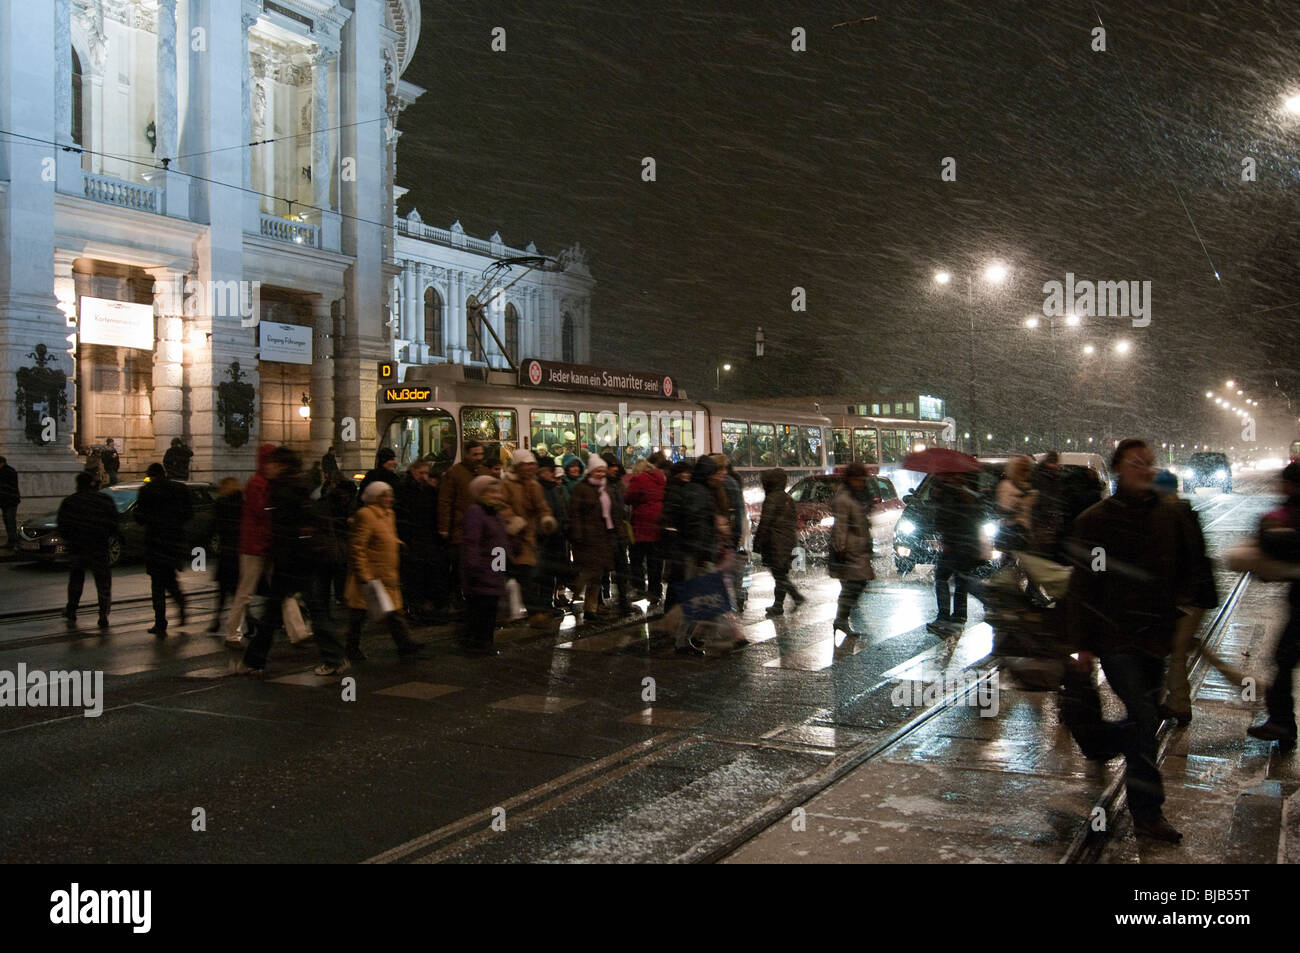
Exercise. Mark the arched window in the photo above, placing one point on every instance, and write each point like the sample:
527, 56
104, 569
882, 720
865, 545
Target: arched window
473, 333
512, 334
76, 98
433, 321
567, 342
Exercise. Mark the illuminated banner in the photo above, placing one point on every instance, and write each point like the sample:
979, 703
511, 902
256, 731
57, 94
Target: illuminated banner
116, 323
600, 380
284, 343
407, 395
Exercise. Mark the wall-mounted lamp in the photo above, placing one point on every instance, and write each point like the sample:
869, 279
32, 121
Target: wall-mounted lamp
305, 410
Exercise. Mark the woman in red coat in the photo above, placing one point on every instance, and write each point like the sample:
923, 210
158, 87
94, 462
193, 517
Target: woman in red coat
645, 494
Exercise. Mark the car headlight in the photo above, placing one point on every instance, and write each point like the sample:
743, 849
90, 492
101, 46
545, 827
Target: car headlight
906, 527
1220, 474
989, 530
827, 521
1189, 473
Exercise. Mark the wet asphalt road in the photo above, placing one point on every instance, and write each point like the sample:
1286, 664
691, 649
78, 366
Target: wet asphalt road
553, 751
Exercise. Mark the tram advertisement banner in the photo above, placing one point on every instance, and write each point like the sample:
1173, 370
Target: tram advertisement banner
588, 378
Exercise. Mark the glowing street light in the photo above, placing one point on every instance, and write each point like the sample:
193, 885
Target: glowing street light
996, 272
1122, 347
942, 277
1292, 104
1072, 320
1089, 349
1031, 322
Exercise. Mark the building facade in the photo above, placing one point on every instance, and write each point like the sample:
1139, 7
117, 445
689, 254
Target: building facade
198, 235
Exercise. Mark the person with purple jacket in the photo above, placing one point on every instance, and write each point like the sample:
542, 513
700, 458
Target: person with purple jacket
485, 549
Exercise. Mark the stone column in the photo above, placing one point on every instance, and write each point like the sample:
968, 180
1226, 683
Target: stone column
455, 317
250, 200
63, 71
324, 428
321, 174
165, 110
168, 398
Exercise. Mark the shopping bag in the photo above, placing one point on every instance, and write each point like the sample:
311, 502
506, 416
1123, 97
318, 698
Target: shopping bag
378, 601
704, 597
516, 596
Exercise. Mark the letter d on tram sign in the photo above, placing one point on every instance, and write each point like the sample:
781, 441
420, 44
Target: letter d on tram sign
388, 371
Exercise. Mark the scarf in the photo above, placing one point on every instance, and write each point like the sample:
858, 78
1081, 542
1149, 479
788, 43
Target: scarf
606, 504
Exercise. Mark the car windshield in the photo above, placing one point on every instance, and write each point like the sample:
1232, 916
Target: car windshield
122, 497
1208, 461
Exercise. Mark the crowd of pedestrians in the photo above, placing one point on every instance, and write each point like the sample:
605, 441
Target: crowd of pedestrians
469, 544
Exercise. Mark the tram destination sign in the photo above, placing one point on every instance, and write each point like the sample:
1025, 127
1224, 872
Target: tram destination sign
407, 394
602, 380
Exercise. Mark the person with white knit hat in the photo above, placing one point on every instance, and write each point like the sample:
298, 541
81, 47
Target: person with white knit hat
375, 577
591, 530
527, 516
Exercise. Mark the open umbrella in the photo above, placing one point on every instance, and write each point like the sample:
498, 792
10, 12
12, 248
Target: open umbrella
939, 460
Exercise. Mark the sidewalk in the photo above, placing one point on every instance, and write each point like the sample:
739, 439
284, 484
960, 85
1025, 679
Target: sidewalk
1015, 789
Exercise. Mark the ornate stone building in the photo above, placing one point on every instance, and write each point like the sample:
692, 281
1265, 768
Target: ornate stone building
198, 234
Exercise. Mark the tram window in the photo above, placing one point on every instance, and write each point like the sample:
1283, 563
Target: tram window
597, 433
762, 445
842, 452
493, 426
553, 432
430, 435
735, 442
787, 445
892, 445
916, 440
865, 447
810, 447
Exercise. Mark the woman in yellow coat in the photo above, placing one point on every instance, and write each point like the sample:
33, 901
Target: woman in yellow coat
374, 571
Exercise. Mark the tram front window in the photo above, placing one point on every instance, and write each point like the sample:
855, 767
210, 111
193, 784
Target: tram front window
492, 426
431, 434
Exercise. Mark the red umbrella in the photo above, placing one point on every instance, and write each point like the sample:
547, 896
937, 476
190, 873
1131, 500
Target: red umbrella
939, 460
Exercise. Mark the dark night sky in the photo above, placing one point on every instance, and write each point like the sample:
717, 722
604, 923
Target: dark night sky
822, 170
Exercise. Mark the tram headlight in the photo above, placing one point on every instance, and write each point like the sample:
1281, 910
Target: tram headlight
989, 530
827, 522
906, 527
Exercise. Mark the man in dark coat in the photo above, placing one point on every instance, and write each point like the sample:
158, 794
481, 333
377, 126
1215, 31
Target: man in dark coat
111, 461
87, 520
9, 500
416, 504
957, 518
553, 566
777, 537
1279, 538
385, 469
176, 461
328, 464
1134, 560
163, 508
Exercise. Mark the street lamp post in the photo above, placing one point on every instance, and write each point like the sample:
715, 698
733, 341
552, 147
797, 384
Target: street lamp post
994, 273
717, 375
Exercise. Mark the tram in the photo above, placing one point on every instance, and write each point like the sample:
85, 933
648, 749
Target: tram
1295, 451
557, 408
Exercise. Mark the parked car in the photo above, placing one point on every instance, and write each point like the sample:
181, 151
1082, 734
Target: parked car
39, 537
812, 503
1206, 469
915, 540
